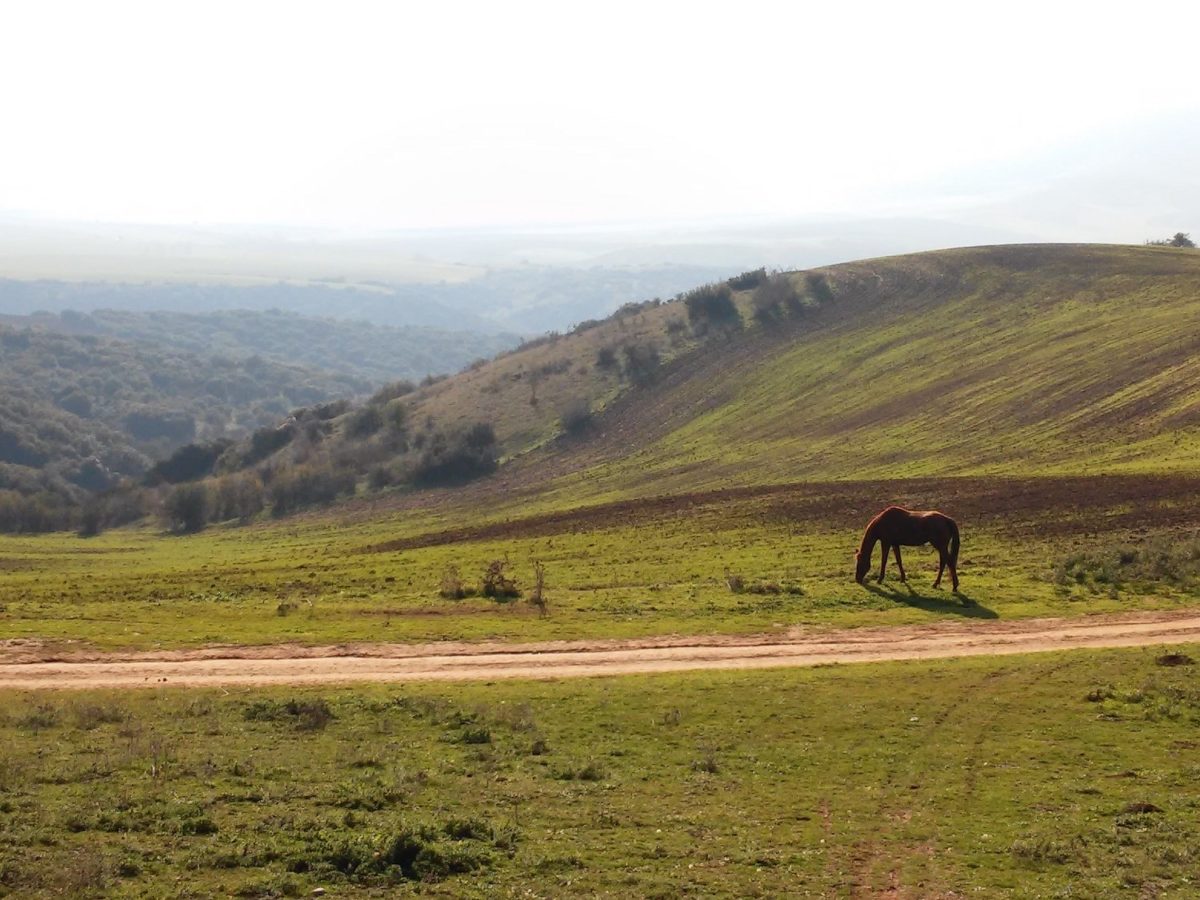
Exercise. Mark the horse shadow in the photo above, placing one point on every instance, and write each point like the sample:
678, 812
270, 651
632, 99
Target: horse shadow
958, 603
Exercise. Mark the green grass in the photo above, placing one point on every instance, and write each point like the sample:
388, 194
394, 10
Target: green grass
962, 362
1028, 776
637, 572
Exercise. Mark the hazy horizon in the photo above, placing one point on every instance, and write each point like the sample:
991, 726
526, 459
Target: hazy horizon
377, 119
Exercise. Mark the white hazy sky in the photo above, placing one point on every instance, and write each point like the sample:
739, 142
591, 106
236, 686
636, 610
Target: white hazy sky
420, 114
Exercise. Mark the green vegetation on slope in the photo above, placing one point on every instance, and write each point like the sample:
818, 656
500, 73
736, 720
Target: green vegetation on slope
994, 360
1044, 775
80, 413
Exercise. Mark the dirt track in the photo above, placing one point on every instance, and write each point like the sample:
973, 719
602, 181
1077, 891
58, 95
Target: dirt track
26, 665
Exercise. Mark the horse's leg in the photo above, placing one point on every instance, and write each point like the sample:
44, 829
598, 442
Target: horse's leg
887, 548
900, 564
937, 582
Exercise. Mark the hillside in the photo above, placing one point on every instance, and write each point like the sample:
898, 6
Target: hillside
1022, 360
1014, 359
375, 353
82, 412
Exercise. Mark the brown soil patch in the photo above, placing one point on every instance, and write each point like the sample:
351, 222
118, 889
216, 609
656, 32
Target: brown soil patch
1049, 507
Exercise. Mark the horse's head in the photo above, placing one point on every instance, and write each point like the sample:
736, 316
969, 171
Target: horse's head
860, 569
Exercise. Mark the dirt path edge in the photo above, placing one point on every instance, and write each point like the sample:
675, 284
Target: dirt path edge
29, 665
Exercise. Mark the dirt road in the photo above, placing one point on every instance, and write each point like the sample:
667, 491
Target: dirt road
29, 665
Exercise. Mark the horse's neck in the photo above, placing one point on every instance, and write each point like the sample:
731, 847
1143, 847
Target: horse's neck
868, 542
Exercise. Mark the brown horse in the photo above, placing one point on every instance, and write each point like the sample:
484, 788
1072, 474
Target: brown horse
897, 526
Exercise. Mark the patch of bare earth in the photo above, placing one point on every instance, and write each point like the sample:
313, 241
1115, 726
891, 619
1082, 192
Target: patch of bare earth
21, 668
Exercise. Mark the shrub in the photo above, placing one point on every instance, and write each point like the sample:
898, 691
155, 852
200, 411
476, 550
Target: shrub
818, 288
606, 358
641, 361
364, 422
711, 304
496, 584
308, 485
537, 596
748, 280
392, 391
576, 416
774, 296
189, 463
455, 457
237, 496
186, 508
452, 587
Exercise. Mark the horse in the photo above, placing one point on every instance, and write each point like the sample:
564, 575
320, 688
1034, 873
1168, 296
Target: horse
912, 528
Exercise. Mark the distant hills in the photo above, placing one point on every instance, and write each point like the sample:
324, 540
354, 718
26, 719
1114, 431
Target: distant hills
370, 352
79, 413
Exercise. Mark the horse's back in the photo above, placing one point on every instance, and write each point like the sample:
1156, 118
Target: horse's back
897, 524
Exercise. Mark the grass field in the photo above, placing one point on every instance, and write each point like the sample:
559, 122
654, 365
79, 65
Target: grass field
1049, 775
651, 567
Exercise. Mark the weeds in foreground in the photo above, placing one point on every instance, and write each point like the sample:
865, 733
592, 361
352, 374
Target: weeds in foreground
1113, 568
537, 596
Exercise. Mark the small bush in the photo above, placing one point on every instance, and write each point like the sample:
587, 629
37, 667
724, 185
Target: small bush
606, 358
452, 586
364, 422
455, 457
641, 361
537, 596
817, 287
711, 304
576, 416
775, 297
185, 509
748, 280
496, 584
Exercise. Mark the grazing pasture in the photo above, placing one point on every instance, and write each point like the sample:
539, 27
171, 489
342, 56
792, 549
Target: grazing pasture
1023, 776
750, 559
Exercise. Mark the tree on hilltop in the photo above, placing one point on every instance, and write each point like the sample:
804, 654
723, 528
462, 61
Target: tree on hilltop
1178, 240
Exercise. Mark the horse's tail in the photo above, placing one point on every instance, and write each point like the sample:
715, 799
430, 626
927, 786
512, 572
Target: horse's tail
954, 541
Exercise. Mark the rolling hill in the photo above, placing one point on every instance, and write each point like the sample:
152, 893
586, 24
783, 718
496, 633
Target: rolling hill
1016, 359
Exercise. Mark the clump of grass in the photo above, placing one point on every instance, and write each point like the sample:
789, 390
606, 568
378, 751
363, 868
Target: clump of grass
707, 763
763, 587
1110, 569
1042, 850
305, 715
475, 735
1174, 659
411, 852
591, 771
88, 716
41, 717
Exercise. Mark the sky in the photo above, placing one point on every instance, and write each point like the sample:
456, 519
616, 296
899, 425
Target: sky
411, 115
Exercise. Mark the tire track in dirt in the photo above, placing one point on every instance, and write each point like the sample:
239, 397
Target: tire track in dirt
31, 666
984, 702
